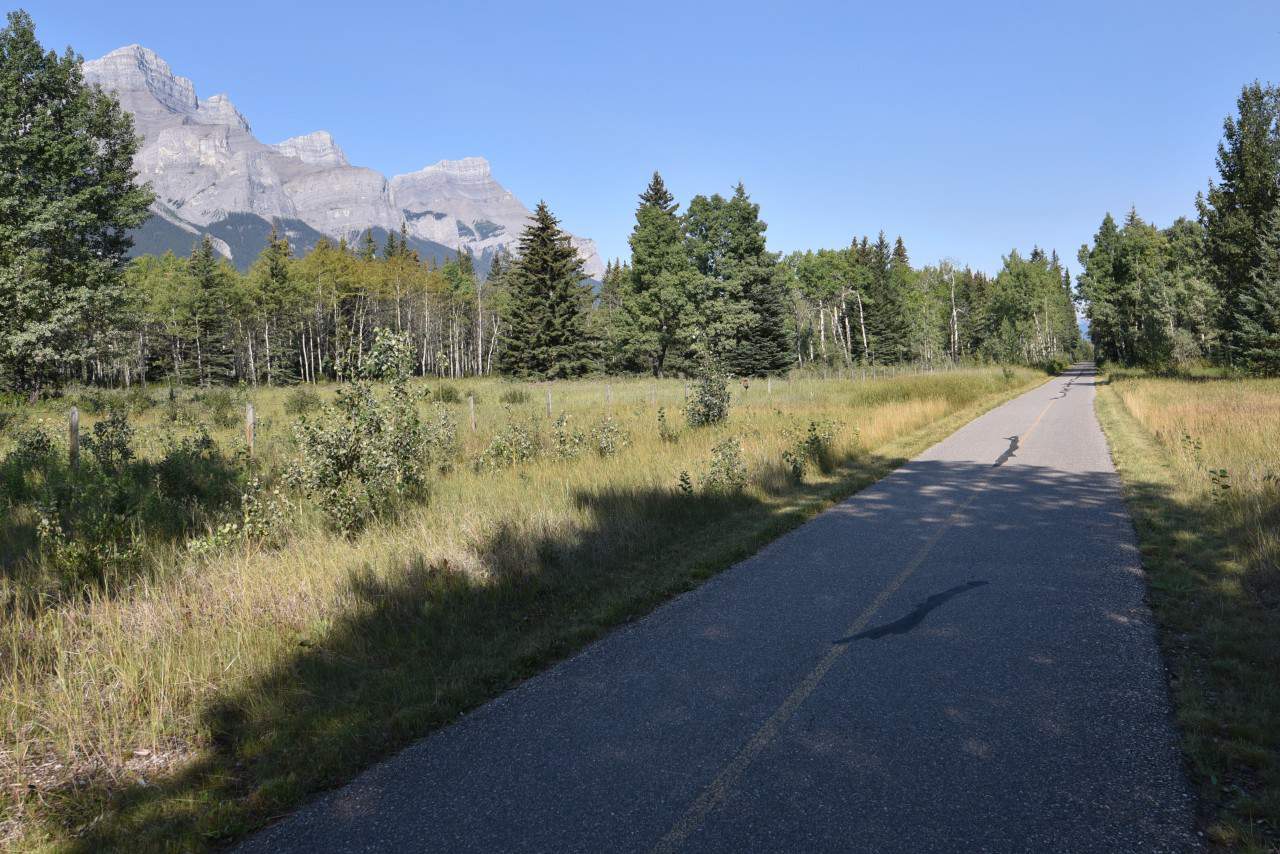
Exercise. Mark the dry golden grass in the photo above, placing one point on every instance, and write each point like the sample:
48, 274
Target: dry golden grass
1201, 462
237, 684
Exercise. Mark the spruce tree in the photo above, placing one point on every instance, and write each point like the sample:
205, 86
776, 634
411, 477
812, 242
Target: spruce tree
1235, 212
67, 202
545, 330
1257, 319
656, 300
763, 346
210, 312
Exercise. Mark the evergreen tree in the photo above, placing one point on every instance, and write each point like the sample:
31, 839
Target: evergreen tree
656, 299
210, 312
270, 282
887, 329
369, 246
763, 345
1257, 321
67, 202
1235, 212
545, 332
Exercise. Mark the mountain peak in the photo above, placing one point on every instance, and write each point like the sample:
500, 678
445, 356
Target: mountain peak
316, 147
475, 168
133, 69
218, 110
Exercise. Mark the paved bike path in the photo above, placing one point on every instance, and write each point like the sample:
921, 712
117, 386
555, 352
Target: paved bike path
956, 658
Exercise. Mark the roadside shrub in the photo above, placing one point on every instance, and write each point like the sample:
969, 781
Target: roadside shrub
727, 472
814, 446
517, 442
364, 453
446, 393
219, 405
666, 432
138, 401
195, 473
111, 442
1055, 366
514, 396
301, 400
708, 402
608, 438
567, 442
440, 438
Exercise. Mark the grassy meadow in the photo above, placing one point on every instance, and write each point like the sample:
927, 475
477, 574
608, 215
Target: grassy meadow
173, 688
1200, 457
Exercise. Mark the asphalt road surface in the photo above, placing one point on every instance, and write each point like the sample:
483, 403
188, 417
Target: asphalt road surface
955, 659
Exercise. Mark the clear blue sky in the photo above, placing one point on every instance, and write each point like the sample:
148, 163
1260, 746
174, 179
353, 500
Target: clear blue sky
968, 128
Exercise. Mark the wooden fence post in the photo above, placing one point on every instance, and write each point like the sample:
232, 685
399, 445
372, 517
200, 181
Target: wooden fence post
768, 386
548, 403
249, 423
471, 404
608, 394
73, 438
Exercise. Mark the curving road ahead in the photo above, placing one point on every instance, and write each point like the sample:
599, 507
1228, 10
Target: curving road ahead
957, 658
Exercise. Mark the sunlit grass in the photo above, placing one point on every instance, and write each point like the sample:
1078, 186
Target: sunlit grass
237, 684
1201, 460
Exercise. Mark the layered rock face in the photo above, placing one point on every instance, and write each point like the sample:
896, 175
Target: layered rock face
211, 175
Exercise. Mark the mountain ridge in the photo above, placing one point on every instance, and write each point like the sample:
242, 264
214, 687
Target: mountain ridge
206, 166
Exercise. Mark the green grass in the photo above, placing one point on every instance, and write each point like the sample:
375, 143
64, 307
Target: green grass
1200, 459
236, 685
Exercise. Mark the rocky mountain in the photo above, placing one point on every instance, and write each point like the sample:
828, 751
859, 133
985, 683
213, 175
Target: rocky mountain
212, 176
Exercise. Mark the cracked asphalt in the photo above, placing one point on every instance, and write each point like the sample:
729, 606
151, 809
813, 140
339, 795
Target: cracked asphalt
958, 658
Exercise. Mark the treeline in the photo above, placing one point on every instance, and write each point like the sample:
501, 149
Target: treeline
700, 289
1204, 289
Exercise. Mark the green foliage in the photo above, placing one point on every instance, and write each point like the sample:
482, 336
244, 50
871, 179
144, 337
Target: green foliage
814, 446
68, 200
708, 402
219, 405
545, 324
366, 452
567, 442
1257, 323
111, 442
726, 474
514, 396
301, 401
666, 432
1235, 211
608, 437
517, 442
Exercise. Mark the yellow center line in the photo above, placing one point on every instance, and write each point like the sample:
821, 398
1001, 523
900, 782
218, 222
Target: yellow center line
718, 790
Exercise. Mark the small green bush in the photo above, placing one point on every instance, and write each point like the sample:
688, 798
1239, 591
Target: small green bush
727, 472
666, 432
708, 402
137, 400
608, 438
517, 442
446, 393
219, 405
814, 446
111, 442
301, 400
514, 396
567, 442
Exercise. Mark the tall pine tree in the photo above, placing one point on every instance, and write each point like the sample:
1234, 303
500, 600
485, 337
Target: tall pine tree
655, 301
545, 330
1258, 319
1235, 211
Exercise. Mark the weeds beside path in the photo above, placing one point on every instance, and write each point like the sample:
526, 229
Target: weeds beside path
1200, 460
184, 712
